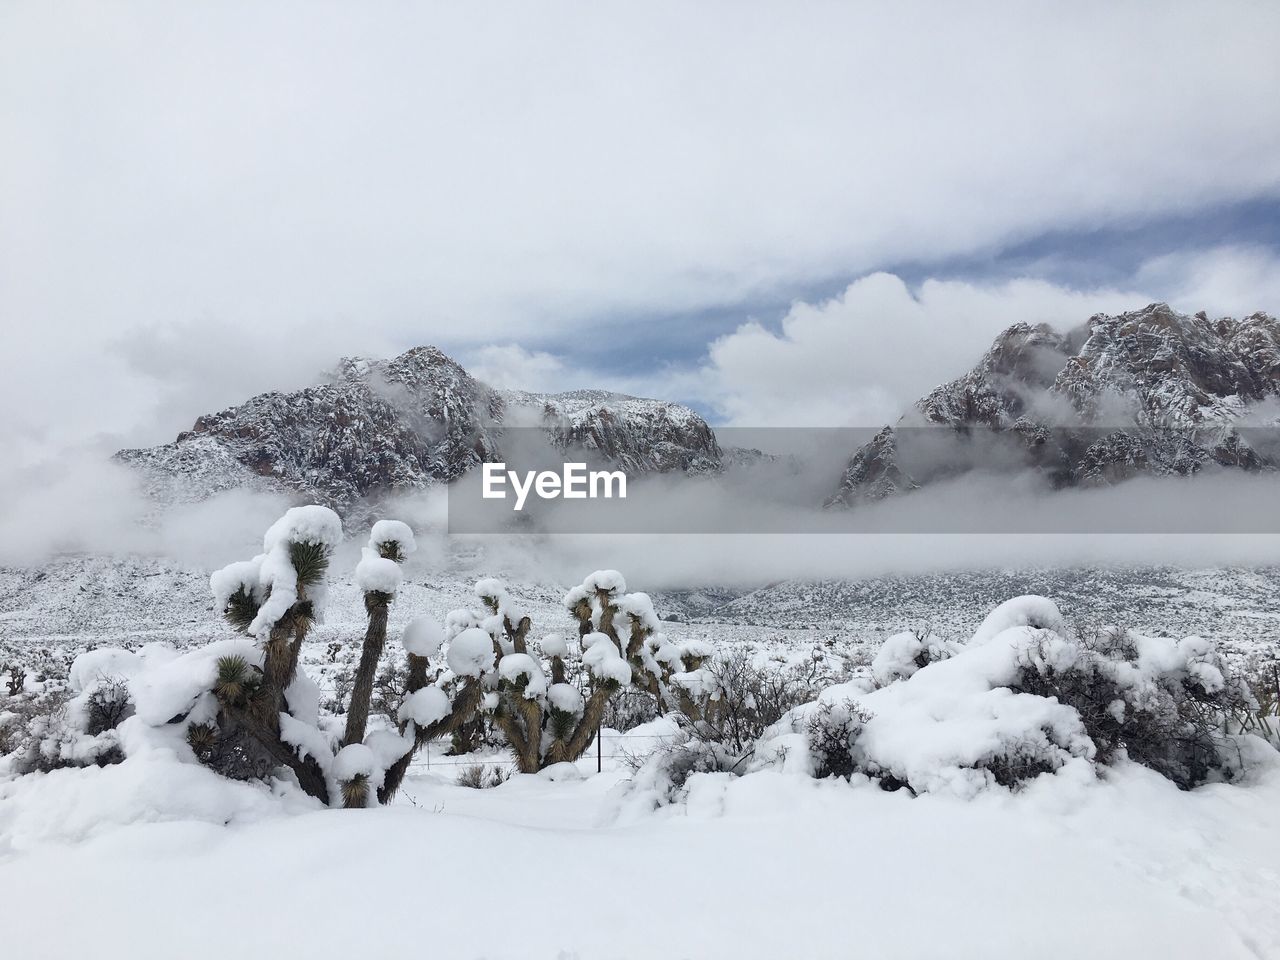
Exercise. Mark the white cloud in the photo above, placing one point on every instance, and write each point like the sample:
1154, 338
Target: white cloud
423, 173
511, 366
861, 358
1224, 281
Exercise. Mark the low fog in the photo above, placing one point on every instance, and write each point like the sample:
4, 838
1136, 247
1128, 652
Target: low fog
975, 522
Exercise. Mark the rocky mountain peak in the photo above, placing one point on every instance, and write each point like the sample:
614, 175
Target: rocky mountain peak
1147, 391
372, 427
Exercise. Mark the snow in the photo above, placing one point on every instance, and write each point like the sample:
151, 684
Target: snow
393, 531
1114, 870
306, 739
1027, 611
514, 666
611, 581
555, 645
309, 524
425, 706
103, 663
388, 746
471, 653
604, 661
422, 637
354, 760
566, 698
377, 574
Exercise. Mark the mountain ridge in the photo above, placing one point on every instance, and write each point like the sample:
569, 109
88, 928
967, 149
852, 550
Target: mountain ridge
371, 427
1149, 391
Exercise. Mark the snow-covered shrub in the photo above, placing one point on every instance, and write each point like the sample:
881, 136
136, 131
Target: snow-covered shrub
54, 725
902, 654
1024, 697
1258, 713
743, 697
1165, 703
831, 732
629, 708
665, 772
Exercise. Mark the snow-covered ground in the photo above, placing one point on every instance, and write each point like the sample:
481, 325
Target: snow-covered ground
154, 857
766, 866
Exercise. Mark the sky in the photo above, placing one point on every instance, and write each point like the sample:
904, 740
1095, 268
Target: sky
798, 214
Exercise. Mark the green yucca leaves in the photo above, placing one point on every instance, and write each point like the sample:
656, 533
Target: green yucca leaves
310, 560
241, 609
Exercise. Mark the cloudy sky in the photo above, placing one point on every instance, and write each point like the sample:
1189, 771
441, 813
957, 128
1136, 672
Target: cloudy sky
782, 213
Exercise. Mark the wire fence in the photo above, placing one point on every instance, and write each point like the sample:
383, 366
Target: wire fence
426, 762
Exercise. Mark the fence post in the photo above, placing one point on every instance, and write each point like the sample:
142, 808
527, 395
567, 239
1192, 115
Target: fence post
599, 751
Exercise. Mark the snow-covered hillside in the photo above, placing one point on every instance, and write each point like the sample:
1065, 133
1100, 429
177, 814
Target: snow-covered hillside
374, 428
1150, 391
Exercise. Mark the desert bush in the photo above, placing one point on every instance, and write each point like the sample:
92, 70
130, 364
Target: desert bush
666, 770
831, 732
107, 705
483, 776
53, 729
743, 696
1026, 697
1167, 708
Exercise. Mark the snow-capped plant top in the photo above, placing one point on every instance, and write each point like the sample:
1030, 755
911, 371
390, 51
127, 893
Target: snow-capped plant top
352, 761
425, 707
1028, 611
392, 533
524, 673
471, 653
390, 542
257, 593
555, 645
240, 576
422, 636
304, 525
375, 574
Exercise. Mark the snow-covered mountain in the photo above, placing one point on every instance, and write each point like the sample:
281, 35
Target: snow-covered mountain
1150, 391
374, 427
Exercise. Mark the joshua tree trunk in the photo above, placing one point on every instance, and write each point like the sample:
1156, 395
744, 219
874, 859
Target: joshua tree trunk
592, 714
310, 777
375, 638
466, 704
521, 724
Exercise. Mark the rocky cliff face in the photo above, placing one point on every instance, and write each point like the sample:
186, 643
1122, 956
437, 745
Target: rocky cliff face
377, 427
1151, 391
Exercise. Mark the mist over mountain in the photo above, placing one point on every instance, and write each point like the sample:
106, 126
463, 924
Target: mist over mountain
374, 428
1148, 392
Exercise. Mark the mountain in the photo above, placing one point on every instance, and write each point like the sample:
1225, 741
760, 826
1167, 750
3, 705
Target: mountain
374, 427
1152, 391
